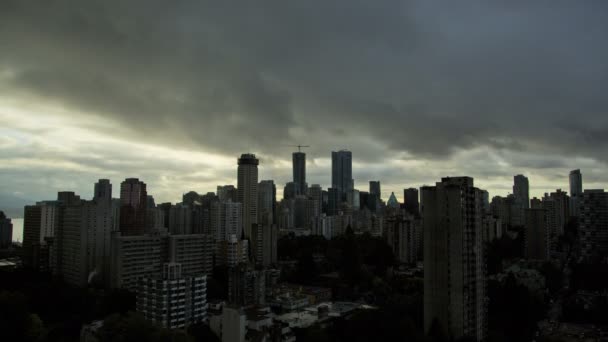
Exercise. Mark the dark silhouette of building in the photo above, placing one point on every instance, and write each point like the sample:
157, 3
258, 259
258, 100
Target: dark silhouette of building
247, 188
133, 203
594, 224
103, 191
299, 173
454, 269
374, 188
576, 192
521, 191
410, 201
342, 172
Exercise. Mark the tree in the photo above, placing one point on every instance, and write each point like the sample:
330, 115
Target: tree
351, 258
16, 322
202, 333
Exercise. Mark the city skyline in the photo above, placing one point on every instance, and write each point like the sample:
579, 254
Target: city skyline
417, 93
360, 184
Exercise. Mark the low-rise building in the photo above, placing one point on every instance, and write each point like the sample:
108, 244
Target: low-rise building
249, 324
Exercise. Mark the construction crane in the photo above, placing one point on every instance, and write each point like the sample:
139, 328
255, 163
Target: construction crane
299, 147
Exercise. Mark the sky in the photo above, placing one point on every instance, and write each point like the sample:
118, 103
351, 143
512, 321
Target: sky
172, 92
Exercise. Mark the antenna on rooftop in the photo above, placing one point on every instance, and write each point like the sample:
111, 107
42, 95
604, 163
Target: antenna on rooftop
299, 147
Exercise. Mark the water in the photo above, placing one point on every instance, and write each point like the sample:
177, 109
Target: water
17, 229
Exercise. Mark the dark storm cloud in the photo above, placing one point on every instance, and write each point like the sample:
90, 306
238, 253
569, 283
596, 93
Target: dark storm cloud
424, 77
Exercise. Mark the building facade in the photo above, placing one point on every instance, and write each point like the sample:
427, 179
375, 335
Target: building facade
521, 190
594, 224
6, 231
576, 191
133, 203
299, 173
454, 271
536, 235
174, 300
342, 172
267, 201
247, 190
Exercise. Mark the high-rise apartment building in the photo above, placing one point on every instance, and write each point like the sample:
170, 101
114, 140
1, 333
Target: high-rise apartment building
315, 193
353, 198
40, 224
333, 201
173, 299
226, 220
289, 190
576, 192
492, 227
70, 244
410, 200
133, 203
342, 172
400, 234
247, 188
536, 203
536, 234
454, 279
594, 224
557, 206
299, 173
134, 257
31, 234
521, 190
103, 191
6, 231
246, 285
232, 252
264, 244
180, 219
227, 192
194, 252
374, 188
267, 201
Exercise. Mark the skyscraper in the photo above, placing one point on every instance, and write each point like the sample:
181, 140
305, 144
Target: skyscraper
299, 173
557, 206
226, 220
374, 188
594, 224
103, 191
392, 202
227, 192
6, 231
536, 234
410, 199
289, 191
401, 237
454, 279
316, 194
342, 172
576, 192
521, 190
576, 183
333, 201
267, 199
133, 199
247, 189
32, 217
180, 219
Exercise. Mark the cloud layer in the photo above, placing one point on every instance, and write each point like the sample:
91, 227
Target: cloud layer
416, 89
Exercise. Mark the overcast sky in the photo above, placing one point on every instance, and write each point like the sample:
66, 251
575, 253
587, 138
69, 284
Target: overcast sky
173, 92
